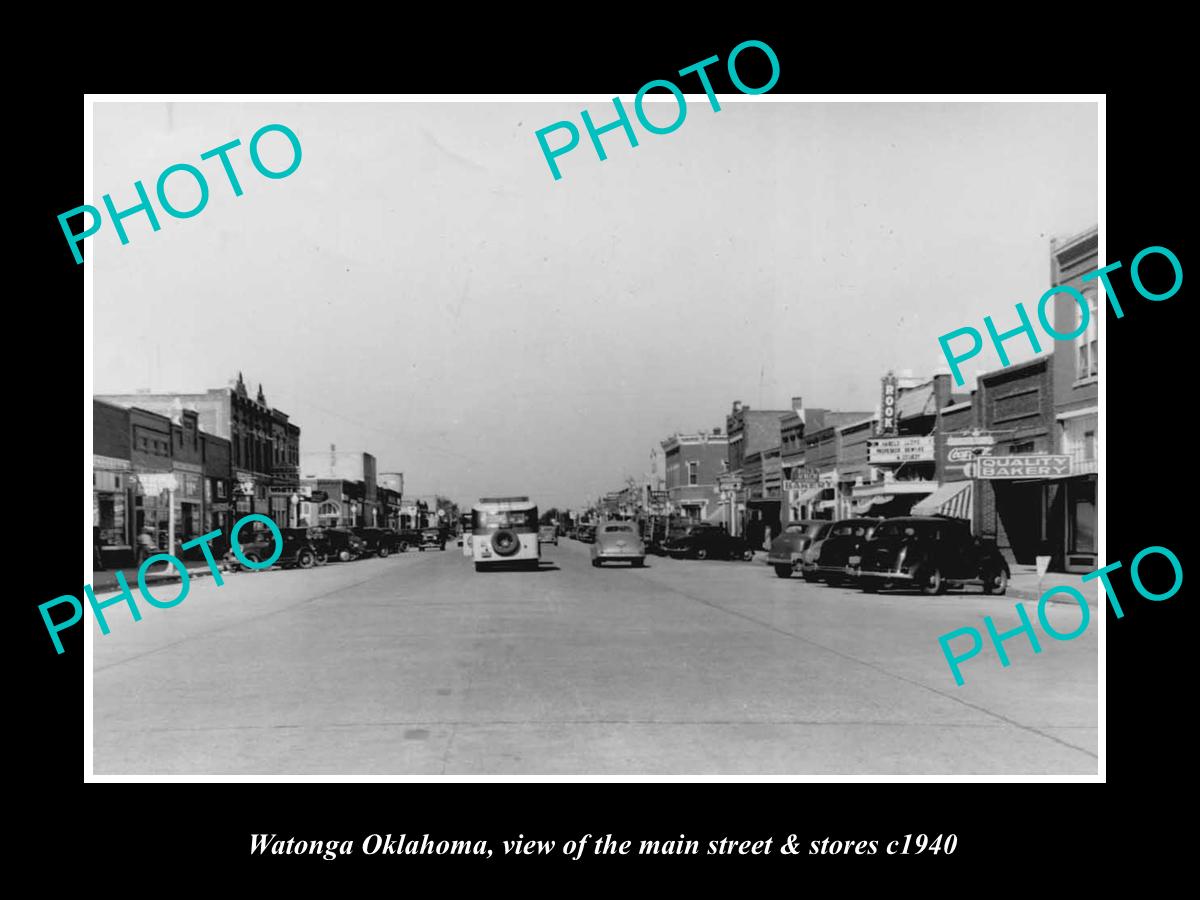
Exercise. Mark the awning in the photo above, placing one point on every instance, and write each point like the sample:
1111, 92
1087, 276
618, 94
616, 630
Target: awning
810, 495
952, 499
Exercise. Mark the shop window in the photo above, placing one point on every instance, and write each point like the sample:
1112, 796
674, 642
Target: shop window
1089, 445
1023, 447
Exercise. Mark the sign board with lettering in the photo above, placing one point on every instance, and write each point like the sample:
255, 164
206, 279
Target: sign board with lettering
911, 448
964, 447
887, 406
1039, 465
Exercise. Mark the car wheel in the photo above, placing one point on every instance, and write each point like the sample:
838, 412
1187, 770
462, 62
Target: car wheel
306, 559
932, 583
383, 552
869, 586
701, 553
783, 571
638, 563
997, 583
344, 555
321, 558
403, 548
251, 558
421, 548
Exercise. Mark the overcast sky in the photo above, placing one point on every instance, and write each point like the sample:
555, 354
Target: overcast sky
423, 289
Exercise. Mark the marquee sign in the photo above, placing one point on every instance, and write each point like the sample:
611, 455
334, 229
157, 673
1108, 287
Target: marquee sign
911, 448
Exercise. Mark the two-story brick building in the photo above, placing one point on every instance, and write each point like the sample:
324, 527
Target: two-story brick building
112, 484
693, 463
753, 491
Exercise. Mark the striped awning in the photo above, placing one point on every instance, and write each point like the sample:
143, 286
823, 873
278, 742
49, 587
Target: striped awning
952, 499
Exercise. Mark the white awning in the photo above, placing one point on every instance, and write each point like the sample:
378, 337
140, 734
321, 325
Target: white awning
953, 499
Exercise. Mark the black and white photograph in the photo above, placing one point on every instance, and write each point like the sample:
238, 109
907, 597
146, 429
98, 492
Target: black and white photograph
487, 437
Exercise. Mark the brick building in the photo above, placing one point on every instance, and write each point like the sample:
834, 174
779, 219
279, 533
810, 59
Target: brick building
692, 464
348, 479
752, 492
1076, 388
261, 441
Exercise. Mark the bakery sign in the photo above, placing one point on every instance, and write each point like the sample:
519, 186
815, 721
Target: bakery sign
910, 448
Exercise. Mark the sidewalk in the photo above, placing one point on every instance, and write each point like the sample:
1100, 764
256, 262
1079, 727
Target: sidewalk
1023, 584
106, 579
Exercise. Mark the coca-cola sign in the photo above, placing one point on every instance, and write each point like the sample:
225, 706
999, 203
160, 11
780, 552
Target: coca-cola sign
965, 447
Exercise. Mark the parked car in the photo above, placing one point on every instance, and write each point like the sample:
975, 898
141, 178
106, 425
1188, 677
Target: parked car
618, 542
432, 537
379, 541
301, 548
705, 541
931, 553
344, 544
787, 551
548, 534
587, 534
838, 560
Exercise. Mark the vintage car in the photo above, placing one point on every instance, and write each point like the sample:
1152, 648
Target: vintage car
381, 542
548, 534
431, 538
586, 534
344, 544
302, 548
618, 542
705, 541
838, 560
787, 551
930, 553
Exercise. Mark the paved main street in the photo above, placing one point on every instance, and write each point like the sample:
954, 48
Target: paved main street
419, 665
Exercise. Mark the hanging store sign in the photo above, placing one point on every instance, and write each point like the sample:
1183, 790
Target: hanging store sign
153, 483
915, 448
1041, 465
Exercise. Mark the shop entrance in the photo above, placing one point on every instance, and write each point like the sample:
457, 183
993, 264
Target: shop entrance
1021, 511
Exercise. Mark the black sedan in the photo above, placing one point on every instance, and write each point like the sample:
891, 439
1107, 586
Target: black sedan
708, 542
380, 541
931, 553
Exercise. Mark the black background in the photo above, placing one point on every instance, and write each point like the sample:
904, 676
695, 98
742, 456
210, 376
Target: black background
203, 833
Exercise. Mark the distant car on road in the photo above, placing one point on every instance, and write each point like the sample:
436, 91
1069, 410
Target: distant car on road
618, 542
787, 551
301, 548
432, 537
931, 553
587, 534
840, 551
705, 541
548, 534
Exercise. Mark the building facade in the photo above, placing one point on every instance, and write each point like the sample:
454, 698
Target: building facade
752, 487
261, 441
344, 481
112, 485
1076, 389
692, 464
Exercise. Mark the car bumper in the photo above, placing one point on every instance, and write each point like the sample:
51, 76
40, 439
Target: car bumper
886, 575
782, 560
839, 571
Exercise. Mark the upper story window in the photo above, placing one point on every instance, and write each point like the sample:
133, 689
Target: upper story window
693, 472
1087, 345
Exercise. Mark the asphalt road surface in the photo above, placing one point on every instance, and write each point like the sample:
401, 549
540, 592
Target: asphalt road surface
418, 665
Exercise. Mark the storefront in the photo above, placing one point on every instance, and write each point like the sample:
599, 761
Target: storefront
153, 495
111, 491
189, 502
